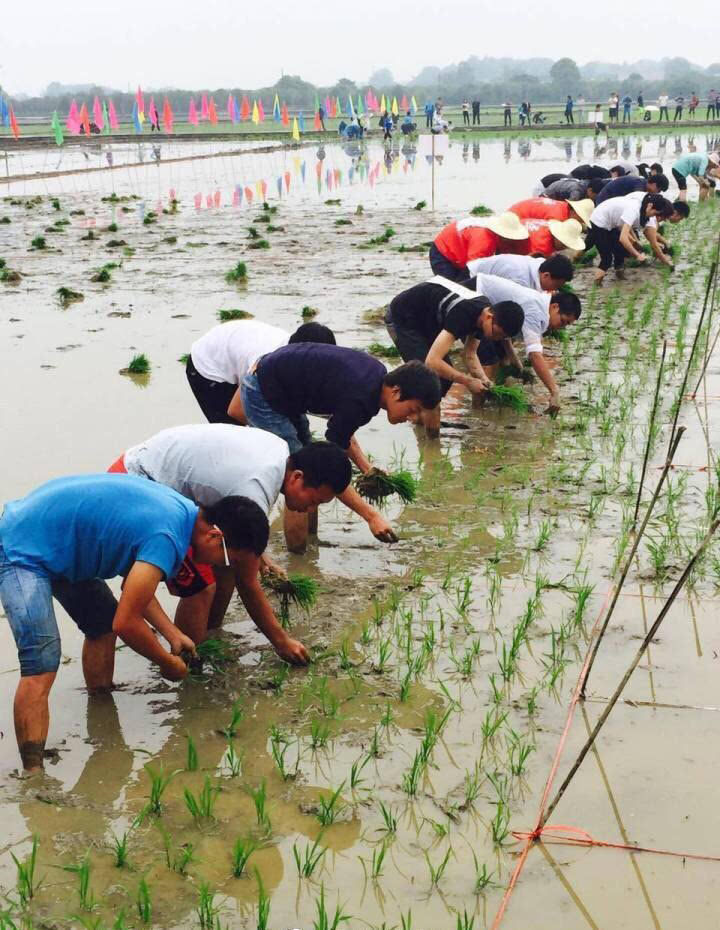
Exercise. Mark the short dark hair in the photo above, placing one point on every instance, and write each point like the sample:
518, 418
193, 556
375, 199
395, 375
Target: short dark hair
660, 181
416, 382
679, 206
313, 332
242, 521
656, 168
558, 266
322, 463
596, 184
568, 303
509, 316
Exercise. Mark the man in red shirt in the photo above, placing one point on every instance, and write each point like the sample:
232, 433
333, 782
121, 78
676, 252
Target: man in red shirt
552, 225
474, 237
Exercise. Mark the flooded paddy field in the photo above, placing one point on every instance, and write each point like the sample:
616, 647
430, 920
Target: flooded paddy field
387, 779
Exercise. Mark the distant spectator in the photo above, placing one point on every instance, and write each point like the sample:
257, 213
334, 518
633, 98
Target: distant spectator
429, 110
663, 104
507, 113
439, 106
710, 112
580, 103
693, 105
614, 104
679, 104
569, 110
627, 108
641, 101
321, 117
466, 112
408, 126
476, 112
600, 125
386, 124
524, 113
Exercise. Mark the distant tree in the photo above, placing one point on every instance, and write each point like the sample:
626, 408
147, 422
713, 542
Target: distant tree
565, 74
635, 78
713, 68
381, 78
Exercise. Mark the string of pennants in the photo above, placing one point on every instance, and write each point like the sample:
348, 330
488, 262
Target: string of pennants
104, 116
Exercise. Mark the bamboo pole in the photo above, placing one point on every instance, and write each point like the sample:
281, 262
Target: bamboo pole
650, 432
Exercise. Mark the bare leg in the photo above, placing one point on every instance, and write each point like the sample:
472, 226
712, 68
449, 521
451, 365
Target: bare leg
98, 662
192, 614
224, 587
430, 419
296, 526
32, 718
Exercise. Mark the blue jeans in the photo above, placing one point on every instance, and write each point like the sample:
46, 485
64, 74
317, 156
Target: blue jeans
261, 415
27, 600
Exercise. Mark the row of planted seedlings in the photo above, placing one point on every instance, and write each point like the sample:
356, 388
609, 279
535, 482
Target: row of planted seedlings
420, 721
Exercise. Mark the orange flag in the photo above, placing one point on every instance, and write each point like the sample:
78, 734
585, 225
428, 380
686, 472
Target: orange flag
261, 111
245, 108
285, 115
248, 194
212, 112
318, 124
85, 119
287, 181
14, 123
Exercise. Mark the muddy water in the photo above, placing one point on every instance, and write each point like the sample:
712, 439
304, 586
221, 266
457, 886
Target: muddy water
433, 612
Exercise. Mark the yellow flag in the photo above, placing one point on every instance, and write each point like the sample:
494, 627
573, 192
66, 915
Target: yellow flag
394, 109
141, 117
255, 113
382, 104
414, 104
295, 131
259, 189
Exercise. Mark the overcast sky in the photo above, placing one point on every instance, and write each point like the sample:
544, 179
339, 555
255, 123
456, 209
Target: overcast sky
249, 43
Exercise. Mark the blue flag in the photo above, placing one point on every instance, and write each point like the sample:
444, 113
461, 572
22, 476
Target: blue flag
4, 112
136, 118
301, 122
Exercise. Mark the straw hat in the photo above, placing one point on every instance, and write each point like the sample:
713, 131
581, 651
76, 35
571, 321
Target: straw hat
506, 225
583, 208
568, 232
714, 158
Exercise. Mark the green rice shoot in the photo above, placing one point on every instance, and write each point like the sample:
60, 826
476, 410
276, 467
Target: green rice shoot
225, 316
382, 351
139, 364
510, 395
300, 590
377, 485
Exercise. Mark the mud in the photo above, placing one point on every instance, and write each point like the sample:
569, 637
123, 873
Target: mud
398, 632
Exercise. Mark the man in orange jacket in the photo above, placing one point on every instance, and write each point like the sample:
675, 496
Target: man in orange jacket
474, 237
552, 225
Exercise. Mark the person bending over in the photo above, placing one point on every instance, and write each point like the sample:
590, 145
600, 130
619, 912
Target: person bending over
629, 184
573, 189
347, 386
539, 274
64, 537
542, 311
473, 237
700, 168
207, 462
424, 322
221, 358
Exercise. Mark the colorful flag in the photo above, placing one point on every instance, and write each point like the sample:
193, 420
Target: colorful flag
278, 183
192, 113
277, 115
327, 106
317, 102
248, 194
216, 198
204, 109
404, 103
232, 111
259, 190
168, 117
301, 121
302, 171
212, 112
295, 130
382, 104
113, 116
359, 108
72, 124
106, 118
263, 188
198, 201
140, 103
285, 115
14, 123
338, 107
318, 122
152, 112
261, 111
85, 119
413, 101
57, 129
287, 181
351, 106
136, 117
255, 113
394, 109
245, 108
97, 113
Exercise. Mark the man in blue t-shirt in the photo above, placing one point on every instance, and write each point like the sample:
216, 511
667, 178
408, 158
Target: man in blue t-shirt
64, 537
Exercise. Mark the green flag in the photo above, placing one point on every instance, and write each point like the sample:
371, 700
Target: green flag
57, 128
106, 118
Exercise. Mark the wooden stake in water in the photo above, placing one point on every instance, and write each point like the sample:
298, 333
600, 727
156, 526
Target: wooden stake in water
626, 677
650, 432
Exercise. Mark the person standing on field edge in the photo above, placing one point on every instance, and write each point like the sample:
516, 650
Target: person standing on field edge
321, 117
466, 112
614, 102
663, 103
627, 108
507, 113
429, 110
710, 112
581, 108
693, 105
569, 110
476, 112
679, 104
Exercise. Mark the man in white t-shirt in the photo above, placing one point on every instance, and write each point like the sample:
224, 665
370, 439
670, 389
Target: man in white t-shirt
208, 462
221, 358
539, 274
542, 311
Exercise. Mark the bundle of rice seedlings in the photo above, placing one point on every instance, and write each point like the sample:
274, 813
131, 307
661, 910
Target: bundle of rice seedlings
377, 485
481, 210
588, 257
38, 243
67, 296
226, 315
420, 205
377, 348
139, 364
214, 654
238, 273
511, 395
259, 244
9, 276
307, 313
300, 590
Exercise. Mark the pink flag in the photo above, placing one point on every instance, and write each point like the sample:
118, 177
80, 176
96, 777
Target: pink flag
97, 114
198, 201
167, 116
287, 181
14, 123
113, 116
217, 198
152, 112
209, 201
236, 197
263, 187
327, 106
192, 113
261, 111
73, 120
231, 108
404, 103
204, 109
140, 100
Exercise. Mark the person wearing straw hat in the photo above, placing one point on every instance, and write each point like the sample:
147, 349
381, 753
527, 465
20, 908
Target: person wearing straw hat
553, 225
543, 208
542, 311
700, 168
474, 237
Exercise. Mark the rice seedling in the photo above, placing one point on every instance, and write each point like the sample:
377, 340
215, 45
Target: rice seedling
376, 485
202, 805
405, 683
384, 652
279, 745
263, 904
259, 244
500, 822
67, 296
531, 701
238, 274
382, 239
104, 275
511, 395
177, 860
191, 763
582, 596
543, 536
25, 883
139, 365
483, 878
120, 849
143, 902
242, 850
481, 210
376, 866
226, 316
324, 921
307, 313
406, 920
112, 227
383, 351
411, 778
236, 716
465, 922
259, 796
390, 823
214, 653
85, 895
472, 785
55, 203
518, 752
355, 770
38, 243
207, 911
310, 858
150, 218
437, 872
159, 781
9, 276
330, 806
300, 590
